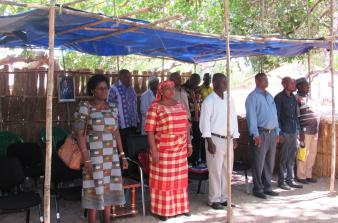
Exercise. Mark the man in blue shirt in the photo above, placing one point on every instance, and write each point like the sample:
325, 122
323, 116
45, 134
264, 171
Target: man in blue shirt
286, 104
263, 126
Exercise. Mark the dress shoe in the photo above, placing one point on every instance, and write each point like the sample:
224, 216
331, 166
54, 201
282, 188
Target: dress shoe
187, 214
216, 206
260, 195
271, 193
162, 218
284, 186
225, 204
311, 180
303, 181
294, 185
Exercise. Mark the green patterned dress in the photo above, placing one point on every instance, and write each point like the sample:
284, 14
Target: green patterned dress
103, 187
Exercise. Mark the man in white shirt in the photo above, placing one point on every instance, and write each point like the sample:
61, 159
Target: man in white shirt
213, 125
147, 98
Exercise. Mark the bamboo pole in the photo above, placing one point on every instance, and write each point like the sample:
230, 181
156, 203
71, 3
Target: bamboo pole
308, 53
333, 152
49, 114
229, 141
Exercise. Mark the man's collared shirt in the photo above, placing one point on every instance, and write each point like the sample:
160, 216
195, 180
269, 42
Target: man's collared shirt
146, 99
261, 112
126, 100
287, 112
214, 116
205, 91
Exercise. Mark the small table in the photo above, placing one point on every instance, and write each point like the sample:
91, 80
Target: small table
127, 210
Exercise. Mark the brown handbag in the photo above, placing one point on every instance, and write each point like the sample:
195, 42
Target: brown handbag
70, 152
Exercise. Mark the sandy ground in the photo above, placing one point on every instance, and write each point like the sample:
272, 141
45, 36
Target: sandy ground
310, 204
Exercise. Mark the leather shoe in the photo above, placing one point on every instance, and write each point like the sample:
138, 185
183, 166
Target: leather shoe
294, 185
162, 218
187, 214
303, 181
217, 206
260, 195
311, 180
284, 186
225, 204
271, 193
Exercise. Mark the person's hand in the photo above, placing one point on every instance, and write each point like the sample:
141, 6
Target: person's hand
189, 150
88, 168
211, 147
124, 163
301, 137
235, 143
155, 155
258, 141
279, 139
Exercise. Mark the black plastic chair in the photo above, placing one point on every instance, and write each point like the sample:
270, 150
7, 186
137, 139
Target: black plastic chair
12, 179
31, 157
136, 144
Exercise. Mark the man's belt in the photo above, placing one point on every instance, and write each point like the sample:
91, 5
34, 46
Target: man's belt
219, 136
265, 130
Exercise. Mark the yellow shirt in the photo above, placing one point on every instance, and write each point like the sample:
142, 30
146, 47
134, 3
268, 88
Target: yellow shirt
205, 91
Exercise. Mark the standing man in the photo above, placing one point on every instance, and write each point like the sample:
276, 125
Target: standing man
180, 94
286, 104
308, 121
262, 121
123, 94
205, 89
147, 98
194, 99
213, 125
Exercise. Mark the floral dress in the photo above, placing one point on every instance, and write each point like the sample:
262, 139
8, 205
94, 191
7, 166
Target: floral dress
104, 186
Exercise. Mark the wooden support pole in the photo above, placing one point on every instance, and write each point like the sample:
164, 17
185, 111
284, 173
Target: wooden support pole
333, 152
229, 140
49, 112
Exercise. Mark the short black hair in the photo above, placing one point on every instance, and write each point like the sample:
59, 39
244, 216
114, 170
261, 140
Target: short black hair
174, 74
195, 76
123, 72
94, 81
218, 76
259, 75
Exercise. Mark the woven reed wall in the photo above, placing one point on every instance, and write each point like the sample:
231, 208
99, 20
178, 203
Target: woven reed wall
23, 105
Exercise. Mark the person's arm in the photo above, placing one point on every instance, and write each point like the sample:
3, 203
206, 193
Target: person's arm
150, 127
234, 123
143, 105
112, 95
205, 127
251, 115
117, 136
279, 107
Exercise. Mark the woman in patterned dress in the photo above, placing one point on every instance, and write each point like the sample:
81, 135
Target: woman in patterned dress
167, 127
96, 127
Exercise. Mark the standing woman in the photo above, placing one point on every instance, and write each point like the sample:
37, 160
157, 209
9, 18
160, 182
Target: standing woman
96, 127
167, 127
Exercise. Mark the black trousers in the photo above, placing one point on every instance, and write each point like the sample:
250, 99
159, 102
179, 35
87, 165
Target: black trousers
124, 133
197, 145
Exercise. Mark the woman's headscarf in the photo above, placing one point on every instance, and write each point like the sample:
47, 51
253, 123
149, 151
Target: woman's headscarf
160, 88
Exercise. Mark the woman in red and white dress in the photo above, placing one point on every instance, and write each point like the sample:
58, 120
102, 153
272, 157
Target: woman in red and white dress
167, 127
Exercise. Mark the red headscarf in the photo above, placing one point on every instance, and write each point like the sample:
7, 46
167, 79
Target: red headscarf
161, 87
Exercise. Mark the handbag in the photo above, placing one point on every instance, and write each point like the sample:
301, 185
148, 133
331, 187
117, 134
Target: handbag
70, 152
301, 153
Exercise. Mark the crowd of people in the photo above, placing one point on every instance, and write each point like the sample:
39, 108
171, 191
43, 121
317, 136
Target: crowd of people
186, 124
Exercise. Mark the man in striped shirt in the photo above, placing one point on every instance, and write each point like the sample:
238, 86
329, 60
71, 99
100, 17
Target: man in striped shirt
308, 120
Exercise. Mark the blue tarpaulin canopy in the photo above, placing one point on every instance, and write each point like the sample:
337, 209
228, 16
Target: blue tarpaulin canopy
129, 36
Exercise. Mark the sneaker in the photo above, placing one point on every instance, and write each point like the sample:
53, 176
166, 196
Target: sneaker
271, 193
311, 180
216, 206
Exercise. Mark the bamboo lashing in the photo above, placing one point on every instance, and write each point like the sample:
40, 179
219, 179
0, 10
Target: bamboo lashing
49, 112
229, 141
333, 152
